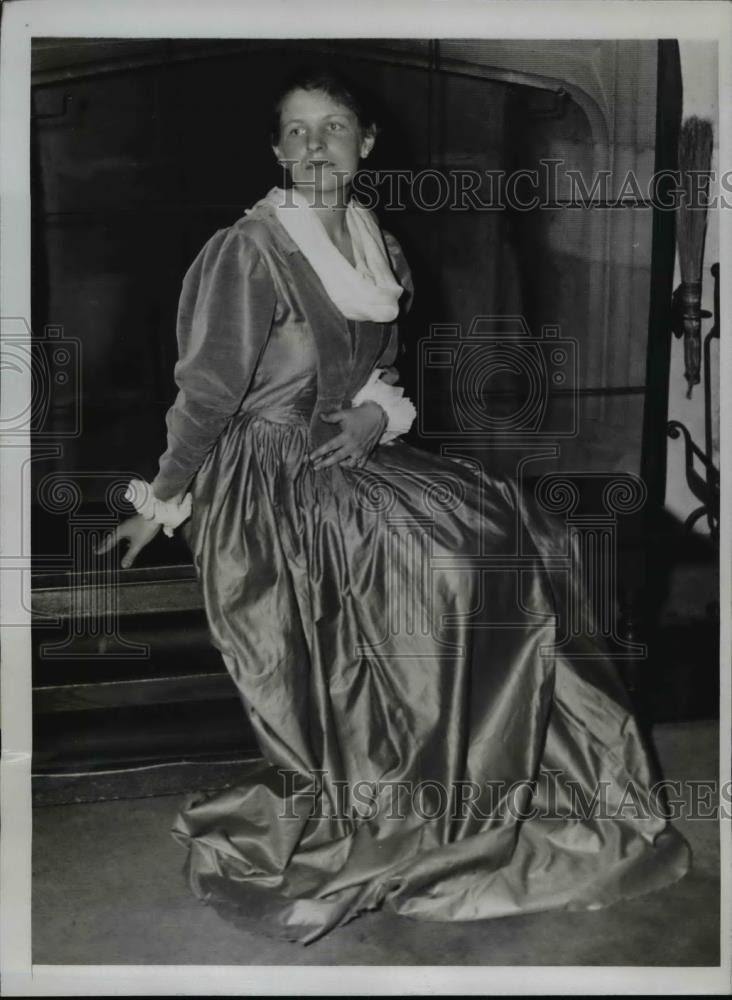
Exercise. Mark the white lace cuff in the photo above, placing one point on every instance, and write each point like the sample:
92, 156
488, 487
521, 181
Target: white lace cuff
169, 513
398, 407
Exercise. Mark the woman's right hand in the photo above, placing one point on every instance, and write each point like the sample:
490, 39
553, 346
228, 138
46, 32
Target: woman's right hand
137, 530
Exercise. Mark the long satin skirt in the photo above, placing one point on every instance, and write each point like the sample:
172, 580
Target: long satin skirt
429, 744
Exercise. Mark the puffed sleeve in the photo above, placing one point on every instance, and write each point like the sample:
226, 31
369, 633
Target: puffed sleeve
225, 316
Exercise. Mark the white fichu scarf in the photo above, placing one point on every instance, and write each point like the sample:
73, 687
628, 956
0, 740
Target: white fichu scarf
368, 291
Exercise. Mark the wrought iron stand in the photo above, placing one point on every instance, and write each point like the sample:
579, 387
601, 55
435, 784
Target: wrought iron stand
705, 485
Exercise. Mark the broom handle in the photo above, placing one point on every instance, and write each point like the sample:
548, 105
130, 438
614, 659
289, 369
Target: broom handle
691, 320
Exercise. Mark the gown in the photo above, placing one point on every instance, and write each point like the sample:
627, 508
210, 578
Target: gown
428, 746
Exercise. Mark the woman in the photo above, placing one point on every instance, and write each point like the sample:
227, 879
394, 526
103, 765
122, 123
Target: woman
424, 747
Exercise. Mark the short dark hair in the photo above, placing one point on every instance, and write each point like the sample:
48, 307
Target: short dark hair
331, 82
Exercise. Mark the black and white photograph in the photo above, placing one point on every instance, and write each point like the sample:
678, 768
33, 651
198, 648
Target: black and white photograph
364, 580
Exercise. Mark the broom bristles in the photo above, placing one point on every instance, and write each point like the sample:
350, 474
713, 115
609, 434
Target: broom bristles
695, 155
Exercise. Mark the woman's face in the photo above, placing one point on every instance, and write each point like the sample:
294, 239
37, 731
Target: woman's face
320, 140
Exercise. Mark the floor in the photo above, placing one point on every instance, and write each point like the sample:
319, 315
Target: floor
108, 890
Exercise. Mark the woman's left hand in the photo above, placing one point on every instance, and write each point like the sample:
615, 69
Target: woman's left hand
361, 428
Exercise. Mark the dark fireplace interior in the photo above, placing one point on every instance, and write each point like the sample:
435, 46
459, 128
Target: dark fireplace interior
141, 150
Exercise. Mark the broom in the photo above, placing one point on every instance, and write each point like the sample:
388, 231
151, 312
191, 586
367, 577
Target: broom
695, 158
